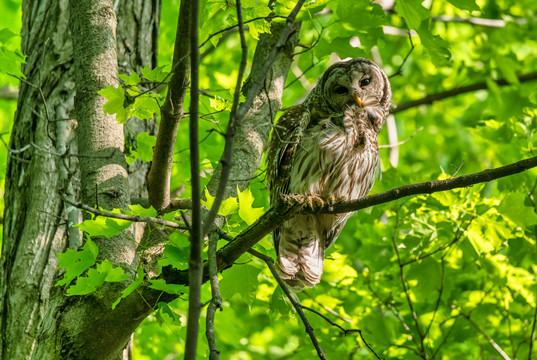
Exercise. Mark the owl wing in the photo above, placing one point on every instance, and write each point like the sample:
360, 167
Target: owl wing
286, 138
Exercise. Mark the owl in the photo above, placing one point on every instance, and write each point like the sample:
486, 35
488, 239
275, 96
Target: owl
325, 149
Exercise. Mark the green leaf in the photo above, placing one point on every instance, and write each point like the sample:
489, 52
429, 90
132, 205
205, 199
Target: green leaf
144, 147
280, 303
509, 68
228, 206
140, 211
242, 280
94, 278
132, 286
513, 207
104, 226
116, 100
220, 104
248, 213
165, 309
113, 273
76, 262
174, 256
161, 285
437, 48
412, 11
6, 35
131, 80
87, 284
158, 74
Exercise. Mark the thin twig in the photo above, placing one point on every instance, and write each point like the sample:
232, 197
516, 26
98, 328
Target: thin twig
441, 247
486, 336
478, 21
343, 330
444, 340
439, 298
403, 141
225, 160
133, 218
406, 290
532, 336
268, 18
400, 70
296, 304
216, 300
195, 262
294, 301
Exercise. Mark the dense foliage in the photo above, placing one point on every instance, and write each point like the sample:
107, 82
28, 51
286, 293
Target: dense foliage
451, 275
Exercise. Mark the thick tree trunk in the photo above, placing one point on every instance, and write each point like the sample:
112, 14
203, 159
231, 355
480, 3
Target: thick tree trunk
37, 320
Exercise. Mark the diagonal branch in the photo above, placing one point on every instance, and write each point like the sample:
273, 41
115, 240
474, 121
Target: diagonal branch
296, 304
429, 99
343, 330
225, 160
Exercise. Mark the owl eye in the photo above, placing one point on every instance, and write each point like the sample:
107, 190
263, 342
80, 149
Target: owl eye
365, 82
341, 90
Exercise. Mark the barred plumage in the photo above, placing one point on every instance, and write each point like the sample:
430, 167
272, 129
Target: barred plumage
326, 148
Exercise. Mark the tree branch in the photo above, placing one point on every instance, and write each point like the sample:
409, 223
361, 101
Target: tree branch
422, 352
296, 304
478, 21
171, 112
133, 218
486, 336
195, 261
429, 99
284, 211
343, 330
253, 129
225, 160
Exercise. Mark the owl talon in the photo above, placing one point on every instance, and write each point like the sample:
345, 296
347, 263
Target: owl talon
314, 202
333, 199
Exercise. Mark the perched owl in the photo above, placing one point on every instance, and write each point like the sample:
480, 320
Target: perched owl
324, 149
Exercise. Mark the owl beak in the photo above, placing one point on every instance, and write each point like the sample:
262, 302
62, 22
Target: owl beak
359, 101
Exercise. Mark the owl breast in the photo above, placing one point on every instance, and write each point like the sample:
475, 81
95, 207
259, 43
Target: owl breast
337, 157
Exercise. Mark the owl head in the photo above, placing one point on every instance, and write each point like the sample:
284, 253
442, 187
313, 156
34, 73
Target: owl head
357, 82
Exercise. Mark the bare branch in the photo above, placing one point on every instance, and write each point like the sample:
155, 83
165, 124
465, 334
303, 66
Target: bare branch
216, 300
486, 336
478, 21
422, 352
133, 218
343, 330
296, 304
429, 99
195, 261
257, 85
402, 142
171, 113
225, 160
400, 70
268, 18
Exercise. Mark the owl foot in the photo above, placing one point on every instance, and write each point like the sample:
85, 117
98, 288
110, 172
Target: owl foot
314, 202
334, 199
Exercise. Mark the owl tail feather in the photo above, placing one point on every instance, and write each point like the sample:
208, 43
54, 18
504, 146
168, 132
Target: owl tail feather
300, 262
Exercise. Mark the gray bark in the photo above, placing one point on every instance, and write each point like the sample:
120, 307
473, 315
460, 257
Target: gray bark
36, 319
